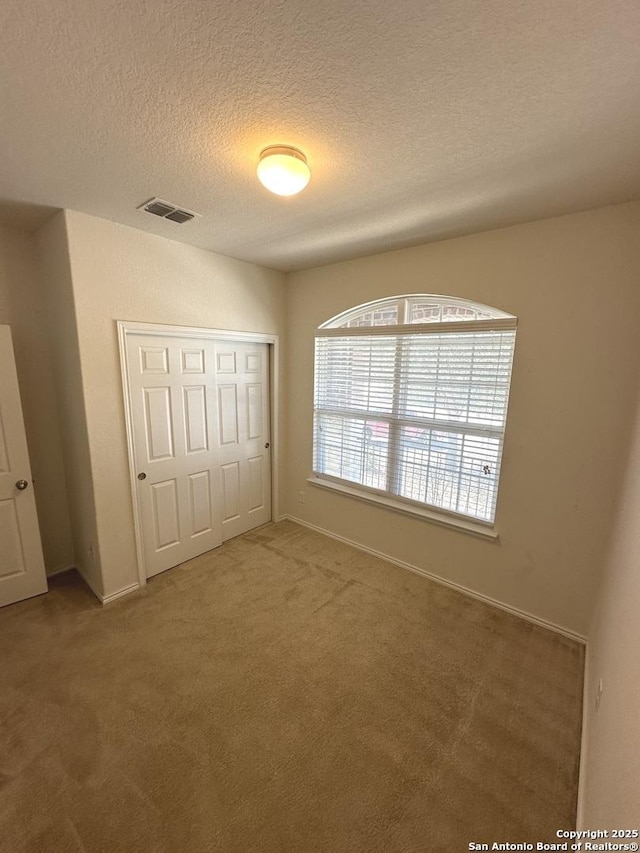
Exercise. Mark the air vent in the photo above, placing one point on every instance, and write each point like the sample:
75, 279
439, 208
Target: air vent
179, 216
166, 210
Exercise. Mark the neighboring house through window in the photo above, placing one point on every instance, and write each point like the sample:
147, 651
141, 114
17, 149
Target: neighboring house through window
411, 399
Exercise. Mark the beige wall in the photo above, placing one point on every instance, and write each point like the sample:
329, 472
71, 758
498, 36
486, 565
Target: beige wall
610, 786
21, 307
120, 273
55, 274
573, 283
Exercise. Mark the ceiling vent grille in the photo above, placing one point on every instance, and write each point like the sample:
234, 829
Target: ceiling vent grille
166, 210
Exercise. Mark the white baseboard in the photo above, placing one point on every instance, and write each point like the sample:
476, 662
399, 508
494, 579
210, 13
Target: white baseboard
522, 614
59, 571
97, 594
582, 773
114, 596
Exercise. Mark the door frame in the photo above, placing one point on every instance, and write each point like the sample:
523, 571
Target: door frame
151, 330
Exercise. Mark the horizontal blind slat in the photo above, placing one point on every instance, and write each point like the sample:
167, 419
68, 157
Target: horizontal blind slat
430, 409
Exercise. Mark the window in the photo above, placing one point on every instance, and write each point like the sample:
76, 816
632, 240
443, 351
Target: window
411, 401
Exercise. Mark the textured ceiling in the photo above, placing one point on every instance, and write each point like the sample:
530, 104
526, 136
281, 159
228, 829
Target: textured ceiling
421, 119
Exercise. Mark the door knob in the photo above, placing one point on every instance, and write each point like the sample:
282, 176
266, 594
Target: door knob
267, 444
142, 476
21, 485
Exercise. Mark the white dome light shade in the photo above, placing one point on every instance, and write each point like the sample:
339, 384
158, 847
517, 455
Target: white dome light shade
283, 170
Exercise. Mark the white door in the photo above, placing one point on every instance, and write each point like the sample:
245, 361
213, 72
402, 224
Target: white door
22, 572
244, 456
200, 423
173, 409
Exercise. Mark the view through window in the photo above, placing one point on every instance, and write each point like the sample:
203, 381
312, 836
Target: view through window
411, 399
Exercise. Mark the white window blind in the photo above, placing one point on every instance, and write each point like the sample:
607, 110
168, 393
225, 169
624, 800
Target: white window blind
416, 413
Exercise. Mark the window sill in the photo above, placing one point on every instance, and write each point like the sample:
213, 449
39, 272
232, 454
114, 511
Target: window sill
484, 531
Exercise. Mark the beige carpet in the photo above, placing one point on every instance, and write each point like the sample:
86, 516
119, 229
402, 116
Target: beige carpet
283, 693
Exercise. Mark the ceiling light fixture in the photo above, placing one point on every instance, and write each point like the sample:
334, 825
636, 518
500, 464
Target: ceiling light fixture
283, 170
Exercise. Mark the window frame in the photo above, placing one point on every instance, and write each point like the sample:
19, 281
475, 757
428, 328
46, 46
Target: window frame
339, 327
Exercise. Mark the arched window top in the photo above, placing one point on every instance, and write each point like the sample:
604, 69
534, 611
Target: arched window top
413, 309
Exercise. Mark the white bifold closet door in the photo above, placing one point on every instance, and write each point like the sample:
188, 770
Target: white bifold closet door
200, 421
244, 460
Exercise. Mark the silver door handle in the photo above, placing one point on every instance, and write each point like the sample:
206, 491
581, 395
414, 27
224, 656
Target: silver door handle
267, 445
142, 476
21, 485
